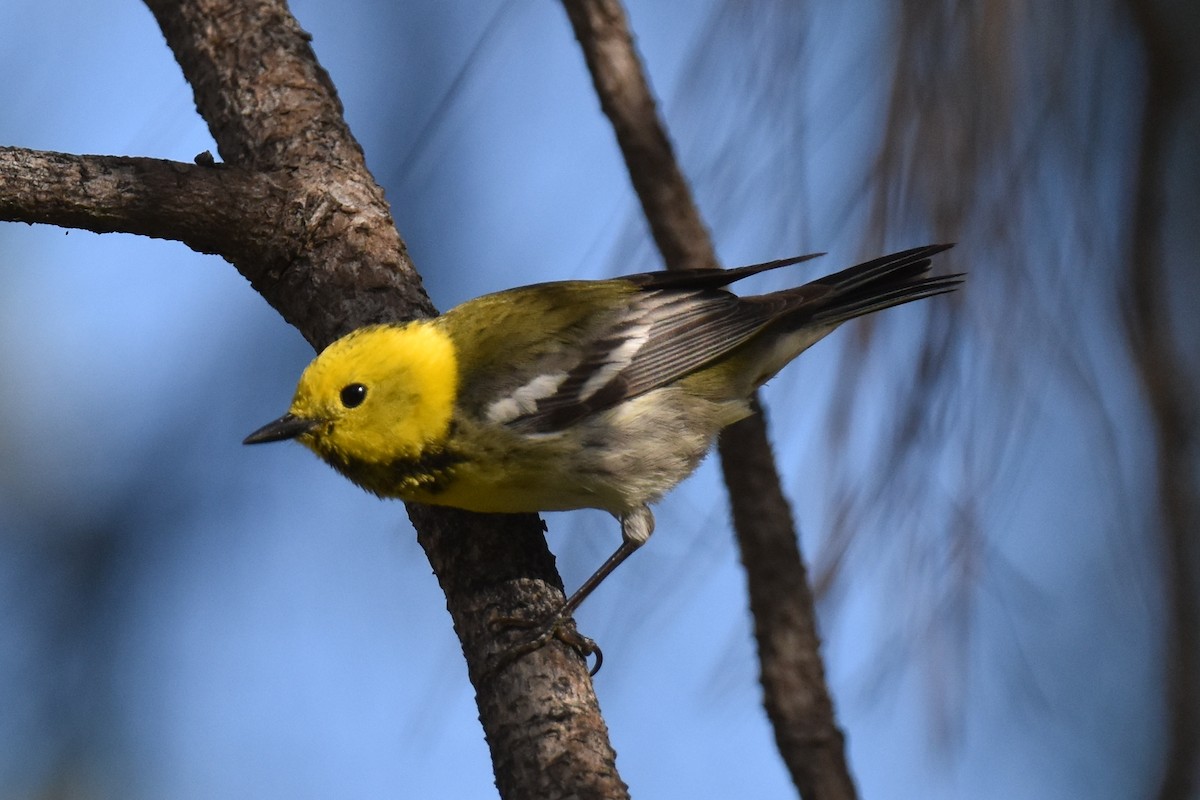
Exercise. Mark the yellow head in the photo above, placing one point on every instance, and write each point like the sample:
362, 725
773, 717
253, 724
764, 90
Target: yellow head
376, 396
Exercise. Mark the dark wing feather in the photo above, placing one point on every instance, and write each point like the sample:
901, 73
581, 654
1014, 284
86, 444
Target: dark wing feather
706, 327
680, 321
664, 335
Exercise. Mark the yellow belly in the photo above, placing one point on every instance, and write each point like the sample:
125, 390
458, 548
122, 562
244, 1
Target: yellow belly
617, 460
519, 493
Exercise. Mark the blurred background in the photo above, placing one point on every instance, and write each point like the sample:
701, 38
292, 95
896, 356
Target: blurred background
999, 517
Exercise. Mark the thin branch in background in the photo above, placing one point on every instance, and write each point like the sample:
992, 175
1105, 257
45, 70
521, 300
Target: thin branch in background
795, 694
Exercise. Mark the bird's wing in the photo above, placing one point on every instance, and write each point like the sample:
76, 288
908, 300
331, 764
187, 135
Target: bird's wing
659, 337
568, 361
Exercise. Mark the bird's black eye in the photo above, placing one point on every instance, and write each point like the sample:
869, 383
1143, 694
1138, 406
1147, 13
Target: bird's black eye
353, 394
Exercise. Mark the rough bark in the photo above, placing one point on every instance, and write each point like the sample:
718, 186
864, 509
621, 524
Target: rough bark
795, 694
338, 261
198, 205
296, 211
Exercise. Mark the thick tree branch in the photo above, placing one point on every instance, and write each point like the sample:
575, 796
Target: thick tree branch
795, 694
197, 205
306, 223
270, 105
257, 83
540, 714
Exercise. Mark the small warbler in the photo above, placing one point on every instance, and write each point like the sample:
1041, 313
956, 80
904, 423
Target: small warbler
575, 394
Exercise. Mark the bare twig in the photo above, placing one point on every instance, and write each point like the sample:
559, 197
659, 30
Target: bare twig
795, 695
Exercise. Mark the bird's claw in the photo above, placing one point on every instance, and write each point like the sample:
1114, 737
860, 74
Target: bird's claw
556, 627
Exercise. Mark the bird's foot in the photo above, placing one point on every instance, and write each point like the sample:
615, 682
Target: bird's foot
558, 626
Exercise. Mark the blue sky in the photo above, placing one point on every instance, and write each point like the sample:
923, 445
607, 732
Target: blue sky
184, 617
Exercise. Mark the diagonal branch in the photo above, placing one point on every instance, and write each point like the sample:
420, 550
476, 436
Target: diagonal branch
257, 83
270, 105
795, 695
307, 224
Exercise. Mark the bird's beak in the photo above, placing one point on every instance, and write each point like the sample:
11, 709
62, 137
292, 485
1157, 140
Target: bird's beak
289, 426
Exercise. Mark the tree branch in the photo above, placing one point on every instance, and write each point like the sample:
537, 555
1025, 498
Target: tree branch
269, 104
197, 205
795, 694
257, 83
785, 624
271, 107
306, 223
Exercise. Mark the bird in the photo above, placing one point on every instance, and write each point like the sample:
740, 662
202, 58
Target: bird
572, 394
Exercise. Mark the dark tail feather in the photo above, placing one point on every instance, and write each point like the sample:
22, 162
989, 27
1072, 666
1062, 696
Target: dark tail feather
875, 285
708, 278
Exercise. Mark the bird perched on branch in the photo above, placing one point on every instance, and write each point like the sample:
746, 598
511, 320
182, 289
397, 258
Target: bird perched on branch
575, 394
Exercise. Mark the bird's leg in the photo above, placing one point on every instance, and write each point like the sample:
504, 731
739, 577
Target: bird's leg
636, 527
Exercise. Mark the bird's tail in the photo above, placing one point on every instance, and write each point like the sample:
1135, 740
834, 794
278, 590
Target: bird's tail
873, 286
